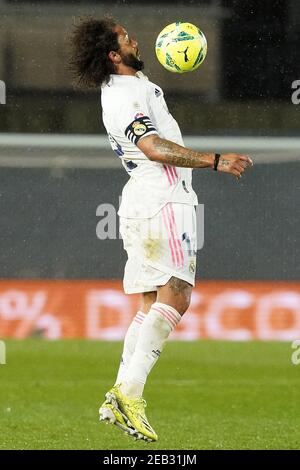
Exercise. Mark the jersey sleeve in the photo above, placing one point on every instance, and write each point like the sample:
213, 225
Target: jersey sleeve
134, 119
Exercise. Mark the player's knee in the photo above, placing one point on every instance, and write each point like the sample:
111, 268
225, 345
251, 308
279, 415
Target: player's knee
178, 294
184, 302
182, 291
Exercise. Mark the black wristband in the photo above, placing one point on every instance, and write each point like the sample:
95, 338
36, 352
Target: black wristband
216, 162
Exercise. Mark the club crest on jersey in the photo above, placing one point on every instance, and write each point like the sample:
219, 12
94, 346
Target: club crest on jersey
192, 267
139, 128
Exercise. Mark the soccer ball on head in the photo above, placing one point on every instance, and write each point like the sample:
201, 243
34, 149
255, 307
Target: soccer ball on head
181, 47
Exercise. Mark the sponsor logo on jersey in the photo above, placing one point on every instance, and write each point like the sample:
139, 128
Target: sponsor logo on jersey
157, 92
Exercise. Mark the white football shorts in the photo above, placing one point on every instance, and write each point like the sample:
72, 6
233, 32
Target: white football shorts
160, 247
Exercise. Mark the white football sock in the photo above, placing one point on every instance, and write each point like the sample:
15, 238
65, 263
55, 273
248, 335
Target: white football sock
130, 341
154, 331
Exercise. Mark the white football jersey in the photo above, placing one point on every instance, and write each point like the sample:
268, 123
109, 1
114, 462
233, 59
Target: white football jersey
133, 108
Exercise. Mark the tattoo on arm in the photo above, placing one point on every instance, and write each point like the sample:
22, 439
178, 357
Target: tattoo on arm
224, 163
176, 155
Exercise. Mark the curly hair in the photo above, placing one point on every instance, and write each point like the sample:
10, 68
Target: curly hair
91, 41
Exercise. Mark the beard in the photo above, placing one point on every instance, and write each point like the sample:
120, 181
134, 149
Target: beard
132, 61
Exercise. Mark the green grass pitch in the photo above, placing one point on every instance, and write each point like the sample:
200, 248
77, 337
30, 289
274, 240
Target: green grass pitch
201, 395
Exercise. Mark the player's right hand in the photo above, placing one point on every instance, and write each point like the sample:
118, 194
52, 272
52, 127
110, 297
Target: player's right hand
234, 163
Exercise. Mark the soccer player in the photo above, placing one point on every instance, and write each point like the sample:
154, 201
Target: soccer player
157, 212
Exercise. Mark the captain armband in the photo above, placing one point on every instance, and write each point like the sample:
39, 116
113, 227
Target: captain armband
139, 128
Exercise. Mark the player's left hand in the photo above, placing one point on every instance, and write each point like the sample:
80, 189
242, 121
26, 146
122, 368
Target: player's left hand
234, 163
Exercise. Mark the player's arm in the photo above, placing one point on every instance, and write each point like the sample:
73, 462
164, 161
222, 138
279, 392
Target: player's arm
167, 152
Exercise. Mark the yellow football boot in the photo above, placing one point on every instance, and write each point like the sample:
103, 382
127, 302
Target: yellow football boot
134, 410
110, 414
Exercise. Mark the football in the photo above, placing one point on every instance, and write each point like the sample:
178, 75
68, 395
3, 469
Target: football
181, 47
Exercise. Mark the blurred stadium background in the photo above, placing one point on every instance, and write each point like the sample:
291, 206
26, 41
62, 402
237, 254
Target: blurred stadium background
57, 278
